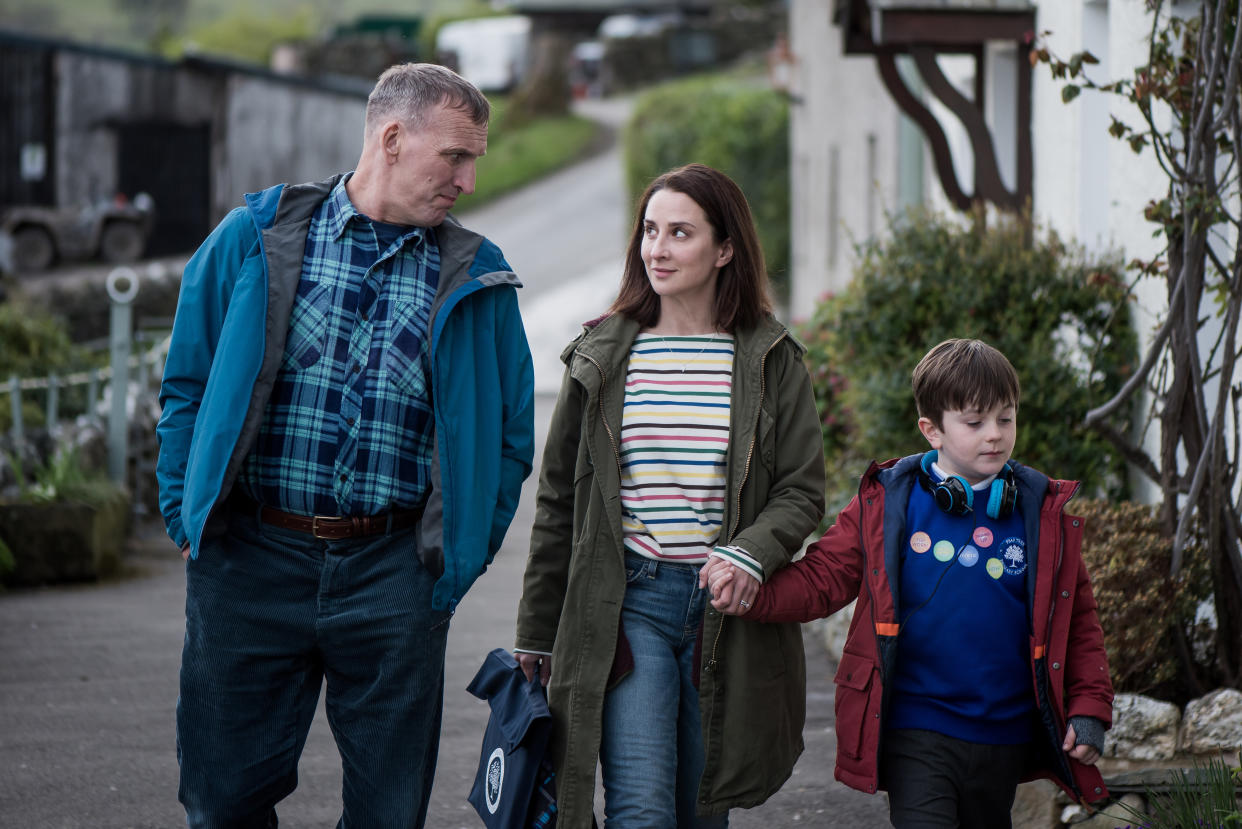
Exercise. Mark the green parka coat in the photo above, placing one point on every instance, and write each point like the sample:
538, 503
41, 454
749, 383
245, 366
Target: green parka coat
752, 688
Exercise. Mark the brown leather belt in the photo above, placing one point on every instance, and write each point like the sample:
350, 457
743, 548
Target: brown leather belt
332, 527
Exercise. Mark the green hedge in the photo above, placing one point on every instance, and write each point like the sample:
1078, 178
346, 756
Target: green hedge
728, 123
1059, 317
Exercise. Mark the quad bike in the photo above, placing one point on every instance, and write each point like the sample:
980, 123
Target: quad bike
32, 238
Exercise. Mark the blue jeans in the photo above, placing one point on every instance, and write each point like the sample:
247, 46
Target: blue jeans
652, 746
272, 613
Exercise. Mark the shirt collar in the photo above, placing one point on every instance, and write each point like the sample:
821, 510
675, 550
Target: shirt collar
940, 475
339, 211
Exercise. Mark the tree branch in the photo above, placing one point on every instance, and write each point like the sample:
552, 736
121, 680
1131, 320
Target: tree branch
1206, 95
1229, 97
1191, 281
1213, 446
1153, 355
1164, 154
1132, 454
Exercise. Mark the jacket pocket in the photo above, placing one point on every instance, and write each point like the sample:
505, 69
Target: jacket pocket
854, 680
765, 441
583, 527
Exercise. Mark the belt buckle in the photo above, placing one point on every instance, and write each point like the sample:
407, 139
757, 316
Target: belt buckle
316, 532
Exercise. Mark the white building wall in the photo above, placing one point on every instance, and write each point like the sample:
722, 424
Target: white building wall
1090, 186
1087, 186
1056, 133
844, 145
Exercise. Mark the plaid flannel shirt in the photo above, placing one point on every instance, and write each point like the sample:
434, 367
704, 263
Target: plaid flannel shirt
349, 428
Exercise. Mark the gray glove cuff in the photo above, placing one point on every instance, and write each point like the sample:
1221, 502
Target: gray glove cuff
1088, 731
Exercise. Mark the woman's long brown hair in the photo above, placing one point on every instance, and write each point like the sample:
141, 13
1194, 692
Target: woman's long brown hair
742, 286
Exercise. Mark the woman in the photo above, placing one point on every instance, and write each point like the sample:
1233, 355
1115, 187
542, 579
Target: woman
685, 436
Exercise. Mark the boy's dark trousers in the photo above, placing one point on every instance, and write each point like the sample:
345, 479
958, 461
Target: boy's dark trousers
939, 782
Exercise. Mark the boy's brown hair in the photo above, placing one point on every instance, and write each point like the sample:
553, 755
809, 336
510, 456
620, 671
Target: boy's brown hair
963, 374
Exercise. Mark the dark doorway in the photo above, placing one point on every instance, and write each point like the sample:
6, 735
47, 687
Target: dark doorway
26, 127
171, 163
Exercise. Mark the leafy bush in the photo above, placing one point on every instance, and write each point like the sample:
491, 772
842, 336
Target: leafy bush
728, 123
30, 342
34, 345
1059, 318
247, 34
1147, 617
828, 382
65, 477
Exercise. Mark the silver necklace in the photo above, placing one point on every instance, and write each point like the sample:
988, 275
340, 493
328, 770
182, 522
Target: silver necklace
694, 356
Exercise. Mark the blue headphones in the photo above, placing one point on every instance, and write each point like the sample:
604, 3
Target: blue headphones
956, 497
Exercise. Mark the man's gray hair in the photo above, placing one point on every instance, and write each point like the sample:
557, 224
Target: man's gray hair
410, 91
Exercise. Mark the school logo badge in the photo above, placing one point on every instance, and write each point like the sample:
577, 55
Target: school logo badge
1013, 554
495, 779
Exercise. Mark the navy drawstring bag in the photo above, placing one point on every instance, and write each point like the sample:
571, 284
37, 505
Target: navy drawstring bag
504, 791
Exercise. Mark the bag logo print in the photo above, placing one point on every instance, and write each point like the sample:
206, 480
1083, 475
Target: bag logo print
495, 779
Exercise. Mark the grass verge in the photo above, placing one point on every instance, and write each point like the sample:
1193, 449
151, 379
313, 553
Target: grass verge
520, 156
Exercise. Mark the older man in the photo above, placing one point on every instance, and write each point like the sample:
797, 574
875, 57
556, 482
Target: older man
347, 423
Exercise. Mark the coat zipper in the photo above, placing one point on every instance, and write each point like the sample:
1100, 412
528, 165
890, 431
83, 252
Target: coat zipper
1056, 568
750, 453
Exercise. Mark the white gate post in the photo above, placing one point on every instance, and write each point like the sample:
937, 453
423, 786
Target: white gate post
122, 288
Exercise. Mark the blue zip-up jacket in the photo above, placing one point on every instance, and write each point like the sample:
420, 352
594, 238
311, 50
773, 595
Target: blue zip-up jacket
228, 339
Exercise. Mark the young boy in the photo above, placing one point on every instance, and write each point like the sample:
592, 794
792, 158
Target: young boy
975, 658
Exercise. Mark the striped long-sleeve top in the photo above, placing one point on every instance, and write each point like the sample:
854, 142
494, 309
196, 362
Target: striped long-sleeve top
674, 445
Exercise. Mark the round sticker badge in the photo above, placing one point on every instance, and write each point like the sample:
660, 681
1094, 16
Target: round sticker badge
969, 556
995, 568
982, 536
1013, 554
943, 551
920, 542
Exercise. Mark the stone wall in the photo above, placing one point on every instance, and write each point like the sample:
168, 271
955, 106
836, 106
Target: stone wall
1150, 740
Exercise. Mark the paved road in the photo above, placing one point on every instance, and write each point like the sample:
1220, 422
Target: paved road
88, 674
565, 237
569, 223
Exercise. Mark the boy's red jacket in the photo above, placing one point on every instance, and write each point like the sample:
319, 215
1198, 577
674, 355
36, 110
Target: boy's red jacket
857, 558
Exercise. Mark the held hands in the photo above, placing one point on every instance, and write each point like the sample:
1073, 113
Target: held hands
1084, 753
532, 662
733, 590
